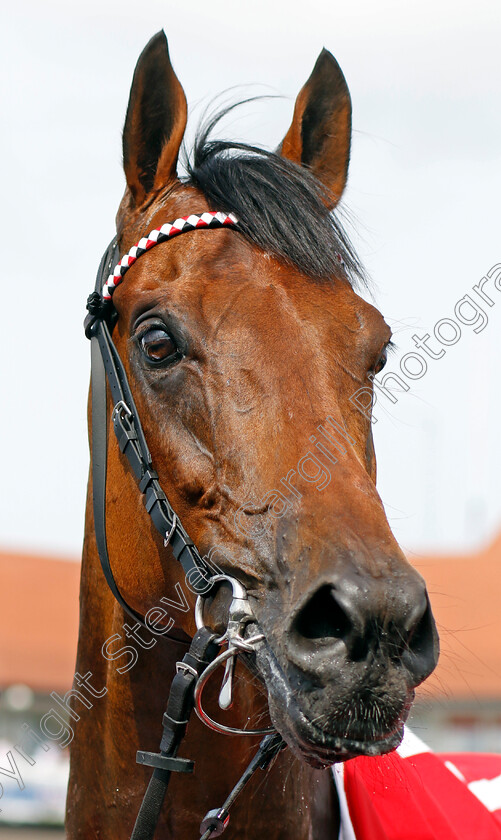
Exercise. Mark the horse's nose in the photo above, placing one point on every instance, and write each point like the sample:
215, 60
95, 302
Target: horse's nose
358, 619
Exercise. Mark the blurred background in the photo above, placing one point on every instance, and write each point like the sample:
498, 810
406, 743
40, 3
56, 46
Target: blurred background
422, 207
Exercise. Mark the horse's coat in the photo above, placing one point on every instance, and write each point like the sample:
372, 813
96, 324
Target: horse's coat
237, 346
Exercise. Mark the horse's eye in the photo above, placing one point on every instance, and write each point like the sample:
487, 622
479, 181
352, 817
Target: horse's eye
157, 345
381, 362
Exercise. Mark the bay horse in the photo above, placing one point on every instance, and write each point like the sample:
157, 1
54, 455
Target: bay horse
243, 344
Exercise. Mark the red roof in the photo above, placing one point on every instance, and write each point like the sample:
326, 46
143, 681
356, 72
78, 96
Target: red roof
465, 592
38, 621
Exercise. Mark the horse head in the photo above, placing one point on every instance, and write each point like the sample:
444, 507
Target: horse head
244, 349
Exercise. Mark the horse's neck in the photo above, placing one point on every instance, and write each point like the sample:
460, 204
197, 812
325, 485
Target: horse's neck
106, 785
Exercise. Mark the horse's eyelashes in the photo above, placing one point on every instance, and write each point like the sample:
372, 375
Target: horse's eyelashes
383, 357
158, 346
381, 361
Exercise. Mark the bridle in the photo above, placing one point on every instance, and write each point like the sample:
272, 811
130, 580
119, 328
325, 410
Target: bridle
107, 365
202, 659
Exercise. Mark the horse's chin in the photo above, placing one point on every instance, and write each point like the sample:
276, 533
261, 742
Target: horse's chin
321, 748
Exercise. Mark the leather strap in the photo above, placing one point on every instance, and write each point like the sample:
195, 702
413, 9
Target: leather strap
175, 720
107, 367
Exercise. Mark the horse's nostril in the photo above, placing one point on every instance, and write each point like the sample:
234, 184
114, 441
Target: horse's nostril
421, 653
341, 621
418, 628
322, 617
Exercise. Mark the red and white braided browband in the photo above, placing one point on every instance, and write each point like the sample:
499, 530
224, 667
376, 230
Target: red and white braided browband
209, 219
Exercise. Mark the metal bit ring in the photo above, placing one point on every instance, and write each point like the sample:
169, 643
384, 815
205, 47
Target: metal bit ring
199, 687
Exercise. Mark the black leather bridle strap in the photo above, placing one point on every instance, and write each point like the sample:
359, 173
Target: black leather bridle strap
107, 367
175, 720
132, 443
99, 458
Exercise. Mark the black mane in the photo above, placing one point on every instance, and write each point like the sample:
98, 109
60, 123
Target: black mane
278, 203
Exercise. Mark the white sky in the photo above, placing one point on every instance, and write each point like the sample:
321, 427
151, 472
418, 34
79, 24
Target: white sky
424, 189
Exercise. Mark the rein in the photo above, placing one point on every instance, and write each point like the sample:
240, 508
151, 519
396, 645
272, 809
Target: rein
202, 658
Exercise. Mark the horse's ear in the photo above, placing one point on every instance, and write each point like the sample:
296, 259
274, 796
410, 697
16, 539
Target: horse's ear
320, 133
155, 122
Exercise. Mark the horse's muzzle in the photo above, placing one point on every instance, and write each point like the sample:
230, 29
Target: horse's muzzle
341, 675
346, 621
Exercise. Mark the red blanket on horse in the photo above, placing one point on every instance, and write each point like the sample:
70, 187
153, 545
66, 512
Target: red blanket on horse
414, 794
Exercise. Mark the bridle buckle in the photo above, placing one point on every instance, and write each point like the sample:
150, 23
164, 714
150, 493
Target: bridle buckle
121, 406
188, 669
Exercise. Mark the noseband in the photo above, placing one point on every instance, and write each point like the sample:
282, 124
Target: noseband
202, 659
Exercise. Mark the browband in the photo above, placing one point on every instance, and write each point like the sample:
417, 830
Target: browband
210, 219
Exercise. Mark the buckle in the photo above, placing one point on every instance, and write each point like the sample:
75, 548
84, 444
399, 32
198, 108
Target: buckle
183, 666
121, 406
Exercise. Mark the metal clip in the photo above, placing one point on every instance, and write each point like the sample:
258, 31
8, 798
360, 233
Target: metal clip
226, 692
240, 614
168, 534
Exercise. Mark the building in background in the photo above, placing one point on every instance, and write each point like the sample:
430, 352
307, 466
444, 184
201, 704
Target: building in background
458, 708
38, 632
